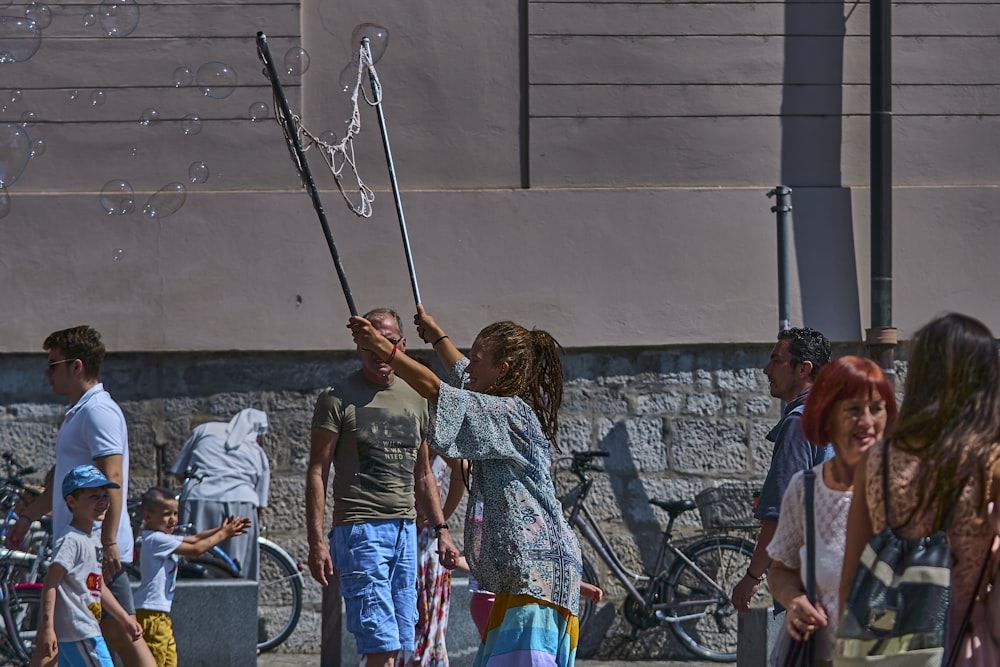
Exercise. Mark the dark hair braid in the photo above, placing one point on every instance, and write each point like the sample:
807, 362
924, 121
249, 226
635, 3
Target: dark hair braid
534, 369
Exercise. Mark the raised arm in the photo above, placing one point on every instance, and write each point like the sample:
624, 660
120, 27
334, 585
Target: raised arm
431, 333
420, 377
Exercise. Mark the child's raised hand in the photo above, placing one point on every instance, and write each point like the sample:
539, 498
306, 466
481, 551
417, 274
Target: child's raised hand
591, 592
234, 525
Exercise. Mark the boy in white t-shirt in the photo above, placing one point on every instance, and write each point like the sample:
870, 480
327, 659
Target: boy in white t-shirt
73, 597
158, 561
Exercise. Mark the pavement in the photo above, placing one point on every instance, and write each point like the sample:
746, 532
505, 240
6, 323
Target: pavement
312, 660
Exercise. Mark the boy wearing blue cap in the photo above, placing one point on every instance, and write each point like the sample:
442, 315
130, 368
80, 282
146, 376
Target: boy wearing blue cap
73, 597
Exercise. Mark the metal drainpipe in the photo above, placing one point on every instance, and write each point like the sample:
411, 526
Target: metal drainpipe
881, 337
782, 207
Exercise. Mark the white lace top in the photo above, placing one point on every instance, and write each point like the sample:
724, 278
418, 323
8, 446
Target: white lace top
789, 545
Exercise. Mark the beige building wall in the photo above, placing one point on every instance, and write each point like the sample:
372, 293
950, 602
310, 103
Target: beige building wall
594, 168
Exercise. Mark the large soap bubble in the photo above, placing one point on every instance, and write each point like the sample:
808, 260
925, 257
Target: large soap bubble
198, 172
19, 39
166, 201
216, 79
118, 18
40, 14
296, 61
258, 111
191, 124
117, 197
378, 39
15, 152
183, 76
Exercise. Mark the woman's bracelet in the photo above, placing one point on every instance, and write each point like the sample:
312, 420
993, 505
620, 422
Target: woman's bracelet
749, 575
435, 343
392, 355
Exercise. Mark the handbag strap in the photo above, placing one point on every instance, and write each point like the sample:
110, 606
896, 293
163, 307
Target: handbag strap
809, 479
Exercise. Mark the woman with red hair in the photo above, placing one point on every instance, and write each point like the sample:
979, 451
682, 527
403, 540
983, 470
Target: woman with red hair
851, 406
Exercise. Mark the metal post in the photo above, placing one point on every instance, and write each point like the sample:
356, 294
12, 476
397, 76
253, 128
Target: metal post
781, 209
392, 177
881, 338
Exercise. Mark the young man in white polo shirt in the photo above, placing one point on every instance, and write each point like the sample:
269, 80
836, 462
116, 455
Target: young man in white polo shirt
93, 432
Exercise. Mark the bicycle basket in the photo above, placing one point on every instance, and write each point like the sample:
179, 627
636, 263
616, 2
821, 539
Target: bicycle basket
729, 505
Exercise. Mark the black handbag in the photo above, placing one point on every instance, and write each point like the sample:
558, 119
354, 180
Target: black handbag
801, 653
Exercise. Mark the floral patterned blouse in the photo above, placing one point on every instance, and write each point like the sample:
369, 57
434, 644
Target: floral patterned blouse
523, 545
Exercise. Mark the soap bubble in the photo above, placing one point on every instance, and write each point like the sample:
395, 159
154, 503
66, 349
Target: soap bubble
183, 76
149, 116
258, 111
28, 118
73, 94
4, 201
296, 61
38, 147
117, 254
40, 14
378, 39
349, 76
329, 137
89, 19
98, 98
117, 197
15, 151
166, 201
198, 172
191, 124
134, 151
216, 79
118, 18
19, 39
15, 96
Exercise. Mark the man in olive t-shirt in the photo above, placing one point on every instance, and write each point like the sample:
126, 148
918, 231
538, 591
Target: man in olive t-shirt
372, 431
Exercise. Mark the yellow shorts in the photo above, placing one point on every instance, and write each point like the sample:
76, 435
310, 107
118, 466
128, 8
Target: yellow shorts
158, 632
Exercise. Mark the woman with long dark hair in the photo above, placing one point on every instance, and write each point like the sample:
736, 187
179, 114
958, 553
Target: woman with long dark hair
943, 456
499, 410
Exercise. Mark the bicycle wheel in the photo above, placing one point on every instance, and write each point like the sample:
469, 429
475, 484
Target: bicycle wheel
586, 605
698, 608
24, 605
279, 601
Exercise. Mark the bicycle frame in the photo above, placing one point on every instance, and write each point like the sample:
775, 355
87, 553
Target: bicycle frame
581, 518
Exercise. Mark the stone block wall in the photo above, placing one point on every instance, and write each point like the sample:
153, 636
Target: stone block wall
674, 421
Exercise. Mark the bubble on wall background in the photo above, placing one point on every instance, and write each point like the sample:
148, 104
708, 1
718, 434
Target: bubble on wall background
378, 39
183, 76
216, 79
167, 201
40, 14
117, 254
258, 111
117, 197
191, 124
15, 152
149, 116
98, 98
296, 61
28, 118
118, 18
198, 172
19, 39
37, 148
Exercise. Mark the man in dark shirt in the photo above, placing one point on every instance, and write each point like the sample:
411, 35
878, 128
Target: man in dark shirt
795, 360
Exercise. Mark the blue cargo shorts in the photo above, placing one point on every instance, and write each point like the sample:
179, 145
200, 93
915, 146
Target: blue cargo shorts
376, 563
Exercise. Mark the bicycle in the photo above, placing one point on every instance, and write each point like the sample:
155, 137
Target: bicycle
690, 593
279, 583
20, 610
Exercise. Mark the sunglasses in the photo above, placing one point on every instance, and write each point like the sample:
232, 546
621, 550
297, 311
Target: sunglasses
53, 364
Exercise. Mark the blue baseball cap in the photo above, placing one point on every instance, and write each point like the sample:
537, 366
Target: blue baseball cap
85, 477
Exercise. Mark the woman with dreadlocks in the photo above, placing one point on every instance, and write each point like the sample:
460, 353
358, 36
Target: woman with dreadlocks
499, 410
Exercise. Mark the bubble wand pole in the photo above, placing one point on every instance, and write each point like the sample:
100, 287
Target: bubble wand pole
299, 158
377, 95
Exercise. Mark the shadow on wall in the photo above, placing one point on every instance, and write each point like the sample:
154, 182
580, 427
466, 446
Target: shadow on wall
811, 141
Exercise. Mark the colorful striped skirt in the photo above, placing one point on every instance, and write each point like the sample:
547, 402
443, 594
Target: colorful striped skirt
527, 632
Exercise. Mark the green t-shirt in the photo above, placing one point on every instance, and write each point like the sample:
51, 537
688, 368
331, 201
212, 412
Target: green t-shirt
379, 431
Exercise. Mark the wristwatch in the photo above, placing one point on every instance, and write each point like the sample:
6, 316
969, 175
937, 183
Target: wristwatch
441, 526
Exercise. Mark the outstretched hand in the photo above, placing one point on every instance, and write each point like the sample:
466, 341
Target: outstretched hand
233, 525
427, 328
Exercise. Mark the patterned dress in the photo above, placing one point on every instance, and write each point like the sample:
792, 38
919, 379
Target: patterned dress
433, 586
523, 550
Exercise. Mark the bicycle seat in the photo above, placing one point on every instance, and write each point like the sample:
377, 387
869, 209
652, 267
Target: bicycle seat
674, 507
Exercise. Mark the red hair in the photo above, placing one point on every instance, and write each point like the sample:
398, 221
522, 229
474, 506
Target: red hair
842, 379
